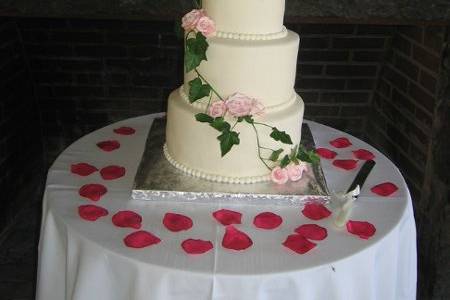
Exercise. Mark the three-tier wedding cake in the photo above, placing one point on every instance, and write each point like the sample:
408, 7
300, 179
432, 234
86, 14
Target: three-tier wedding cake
237, 118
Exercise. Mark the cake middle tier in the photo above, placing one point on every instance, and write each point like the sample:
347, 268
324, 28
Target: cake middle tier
260, 69
193, 146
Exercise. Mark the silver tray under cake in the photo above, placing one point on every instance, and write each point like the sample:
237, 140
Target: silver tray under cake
157, 180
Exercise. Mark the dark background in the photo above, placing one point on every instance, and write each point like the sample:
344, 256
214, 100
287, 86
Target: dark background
379, 72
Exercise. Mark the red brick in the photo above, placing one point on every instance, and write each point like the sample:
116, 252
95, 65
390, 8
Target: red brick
422, 97
413, 32
406, 67
428, 81
358, 43
395, 78
402, 44
426, 59
323, 55
351, 70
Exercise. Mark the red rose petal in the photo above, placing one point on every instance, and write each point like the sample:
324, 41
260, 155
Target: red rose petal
362, 229
312, 232
298, 243
227, 217
315, 211
92, 191
125, 130
109, 146
127, 218
141, 239
326, 153
177, 222
346, 164
341, 142
91, 212
236, 239
191, 246
83, 169
384, 189
267, 220
363, 154
112, 172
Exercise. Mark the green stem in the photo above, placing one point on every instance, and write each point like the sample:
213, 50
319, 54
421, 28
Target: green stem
259, 147
198, 3
267, 148
206, 81
234, 125
257, 123
209, 103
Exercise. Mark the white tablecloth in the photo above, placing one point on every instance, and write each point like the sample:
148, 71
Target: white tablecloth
84, 260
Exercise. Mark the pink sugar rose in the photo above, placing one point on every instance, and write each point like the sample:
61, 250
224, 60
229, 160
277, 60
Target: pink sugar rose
206, 26
295, 172
240, 105
257, 108
279, 175
217, 109
190, 20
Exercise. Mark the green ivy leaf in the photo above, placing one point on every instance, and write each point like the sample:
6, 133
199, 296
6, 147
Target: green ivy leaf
220, 124
275, 155
227, 140
307, 156
204, 118
249, 119
293, 155
285, 161
195, 51
314, 158
198, 90
281, 136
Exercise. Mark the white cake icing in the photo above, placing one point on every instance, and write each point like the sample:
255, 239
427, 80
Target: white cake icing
263, 69
246, 16
252, 36
194, 145
252, 54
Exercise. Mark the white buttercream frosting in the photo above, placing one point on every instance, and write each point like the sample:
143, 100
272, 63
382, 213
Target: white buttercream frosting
212, 177
194, 145
202, 104
253, 36
246, 16
264, 70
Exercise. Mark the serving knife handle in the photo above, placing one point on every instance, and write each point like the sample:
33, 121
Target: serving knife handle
362, 175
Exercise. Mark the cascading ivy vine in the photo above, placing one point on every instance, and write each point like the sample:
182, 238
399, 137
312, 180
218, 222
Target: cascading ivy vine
196, 46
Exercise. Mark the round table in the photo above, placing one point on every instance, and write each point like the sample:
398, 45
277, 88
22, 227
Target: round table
84, 260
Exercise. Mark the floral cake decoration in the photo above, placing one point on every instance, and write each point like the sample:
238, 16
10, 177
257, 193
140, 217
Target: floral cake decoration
241, 108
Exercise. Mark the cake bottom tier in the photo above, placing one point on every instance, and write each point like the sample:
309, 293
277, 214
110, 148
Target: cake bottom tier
193, 147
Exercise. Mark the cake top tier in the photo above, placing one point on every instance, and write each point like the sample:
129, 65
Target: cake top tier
246, 16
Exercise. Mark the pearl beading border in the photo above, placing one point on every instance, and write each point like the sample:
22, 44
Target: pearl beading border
211, 177
202, 105
252, 36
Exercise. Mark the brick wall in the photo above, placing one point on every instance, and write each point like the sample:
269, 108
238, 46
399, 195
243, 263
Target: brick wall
404, 100
405, 125
338, 68
21, 160
91, 73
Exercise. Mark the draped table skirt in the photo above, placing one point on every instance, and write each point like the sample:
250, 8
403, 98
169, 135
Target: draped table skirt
88, 260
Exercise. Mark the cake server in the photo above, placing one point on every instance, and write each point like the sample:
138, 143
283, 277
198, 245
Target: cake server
346, 200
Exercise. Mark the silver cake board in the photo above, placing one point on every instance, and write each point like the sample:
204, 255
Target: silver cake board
157, 180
